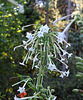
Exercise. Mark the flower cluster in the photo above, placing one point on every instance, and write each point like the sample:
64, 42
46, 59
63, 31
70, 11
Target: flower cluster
43, 46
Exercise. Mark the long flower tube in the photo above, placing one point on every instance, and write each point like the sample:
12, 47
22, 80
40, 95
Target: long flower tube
62, 18
68, 26
13, 2
21, 7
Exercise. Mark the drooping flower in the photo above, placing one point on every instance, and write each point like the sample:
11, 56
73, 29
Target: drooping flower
24, 43
64, 74
64, 52
31, 49
55, 22
40, 34
54, 98
15, 98
29, 35
51, 66
40, 43
21, 89
36, 66
21, 8
67, 73
22, 63
69, 55
61, 37
30, 58
35, 59
45, 28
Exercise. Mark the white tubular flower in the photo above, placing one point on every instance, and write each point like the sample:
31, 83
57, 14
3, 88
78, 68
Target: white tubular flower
21, 89
24, 43
15, 98
51, 66
64, 74
22, 63
69, 55
13, 2
35, 59
31, 49
29, 36
64, 52
23, 60
40, 34
67, 73
55, 22
68, 26
21, 8
30, 58
40, 44
62, 59
45, 28
61, 76
36, 66
54, 98
61, 37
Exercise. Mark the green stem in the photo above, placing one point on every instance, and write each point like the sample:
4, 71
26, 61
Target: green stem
41, 70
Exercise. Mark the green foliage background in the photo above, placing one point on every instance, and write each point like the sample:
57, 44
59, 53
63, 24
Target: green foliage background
11, 35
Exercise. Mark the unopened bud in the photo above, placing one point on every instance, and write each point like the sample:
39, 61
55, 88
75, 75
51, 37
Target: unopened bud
75, 90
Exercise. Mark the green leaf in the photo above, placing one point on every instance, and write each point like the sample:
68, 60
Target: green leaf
79, 67
79, 63
79, 58
30, 85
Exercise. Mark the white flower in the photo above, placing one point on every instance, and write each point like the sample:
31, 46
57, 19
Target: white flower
36, 66
55, 22
21, 89
21, 8
40, 43
44, 29
62, 59
24, 43
66, 66
35, 59
40, 34
64, 52
15, 98
54, 98
61, 37
29, 36
30, 58
49, 98
31, 49
22, 63
68, 44
69, 55
51, 66
63, 74
41, 4
67, 73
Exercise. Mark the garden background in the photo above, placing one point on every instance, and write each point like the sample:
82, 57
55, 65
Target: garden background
11, 35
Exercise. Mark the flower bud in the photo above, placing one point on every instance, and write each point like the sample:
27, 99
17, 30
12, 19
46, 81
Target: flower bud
75, 90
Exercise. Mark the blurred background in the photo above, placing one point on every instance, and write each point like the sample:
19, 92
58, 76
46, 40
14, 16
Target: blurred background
11, 35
